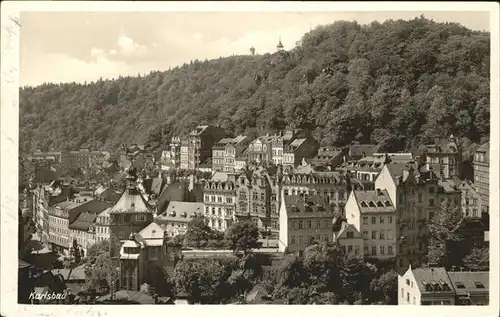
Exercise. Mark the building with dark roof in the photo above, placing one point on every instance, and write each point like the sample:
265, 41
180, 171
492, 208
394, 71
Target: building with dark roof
436, 286
197, 147
482, 174
220, 203
446, 154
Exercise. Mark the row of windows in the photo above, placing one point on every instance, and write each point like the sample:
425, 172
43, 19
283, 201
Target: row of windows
218, 199
327, 193
128, 218
307, 224
351, 249
104, 230
228, 211
374, 220
381, 249
380, 235
309, 239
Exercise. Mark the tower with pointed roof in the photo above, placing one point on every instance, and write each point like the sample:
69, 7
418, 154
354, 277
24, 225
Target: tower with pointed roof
279, 47
131, 214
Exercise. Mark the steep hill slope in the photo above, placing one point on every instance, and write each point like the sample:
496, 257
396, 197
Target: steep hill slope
399, 83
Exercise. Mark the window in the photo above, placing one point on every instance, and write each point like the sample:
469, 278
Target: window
349, 249
293, 224
153, 255
374, 235
431, 190
478, 284
374, 250
382, 234
365, 234
389, 250
140, 218
120, 235
411, 284
350, 235
301, 224
301, 240
292, 240
408, 297
382, 250
389, 234
390, 219
365, 249
318, 223
459, 285
420, 199
402, 293
431, 202
374, 220
365, 220
309, 224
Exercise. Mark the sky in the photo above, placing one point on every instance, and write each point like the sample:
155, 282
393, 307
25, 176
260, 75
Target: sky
85, 46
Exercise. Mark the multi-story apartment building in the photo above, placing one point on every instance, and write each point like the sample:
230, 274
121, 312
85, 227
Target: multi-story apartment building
255, 201
240, 162
130, 215
171, 158
45, 197
83, 158
199, 145
234, 149
303, 221
277, 150
219, 154
220, 203
482, 174
299, 149
334, 186
102, 226
260, 150
372, 213
425, 286
367, 168
142, 156
436, 286
444, 157
184, 152
64, 214
465, 195
51, 156
350, 240
328, 157
416, 196
175, 219
82, 230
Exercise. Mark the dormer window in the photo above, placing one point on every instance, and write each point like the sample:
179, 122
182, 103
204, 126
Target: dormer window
380, 204
371, 204
363, 204
388, 203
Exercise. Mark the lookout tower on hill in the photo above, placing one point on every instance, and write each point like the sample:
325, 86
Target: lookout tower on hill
279, 47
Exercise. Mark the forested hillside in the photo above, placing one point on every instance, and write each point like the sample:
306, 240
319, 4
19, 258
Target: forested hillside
398, 82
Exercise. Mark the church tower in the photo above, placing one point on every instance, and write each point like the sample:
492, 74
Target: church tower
131, 214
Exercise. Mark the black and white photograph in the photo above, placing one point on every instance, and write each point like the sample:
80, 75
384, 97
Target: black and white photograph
278, 155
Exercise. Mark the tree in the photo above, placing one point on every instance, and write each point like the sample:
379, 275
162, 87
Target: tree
99, 271
243, 236
443, 230
478, 259
98, 248
385, 288
198, 232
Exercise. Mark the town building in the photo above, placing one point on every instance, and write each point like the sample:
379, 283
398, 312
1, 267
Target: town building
130, 215
102, 226
350, 240
417, 196
277, 150
303, 221
256, 201
436, 286
63, 214
240, 162
372, 213
175, 219
425, 286
171, 158
444, 157
83, 158
82, 231
356, 151
51, 156
143, 256
220, 202
328, 158
299, 149
105, 193
481, 164
233, 150
45, 197
259, 151
197, 147
219, 154
471, 288
141, 155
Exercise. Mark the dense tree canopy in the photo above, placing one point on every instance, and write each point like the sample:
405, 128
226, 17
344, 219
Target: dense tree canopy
398, 83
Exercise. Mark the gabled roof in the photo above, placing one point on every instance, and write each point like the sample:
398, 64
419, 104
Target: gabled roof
346, 227
83, 221
430, 276
152, 231
180, 211
470, 282
131, 203
369, 201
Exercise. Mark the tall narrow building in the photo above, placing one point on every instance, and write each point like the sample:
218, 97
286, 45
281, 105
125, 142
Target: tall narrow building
130, 215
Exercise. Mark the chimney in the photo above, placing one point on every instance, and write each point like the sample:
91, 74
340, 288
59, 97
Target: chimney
379, 192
